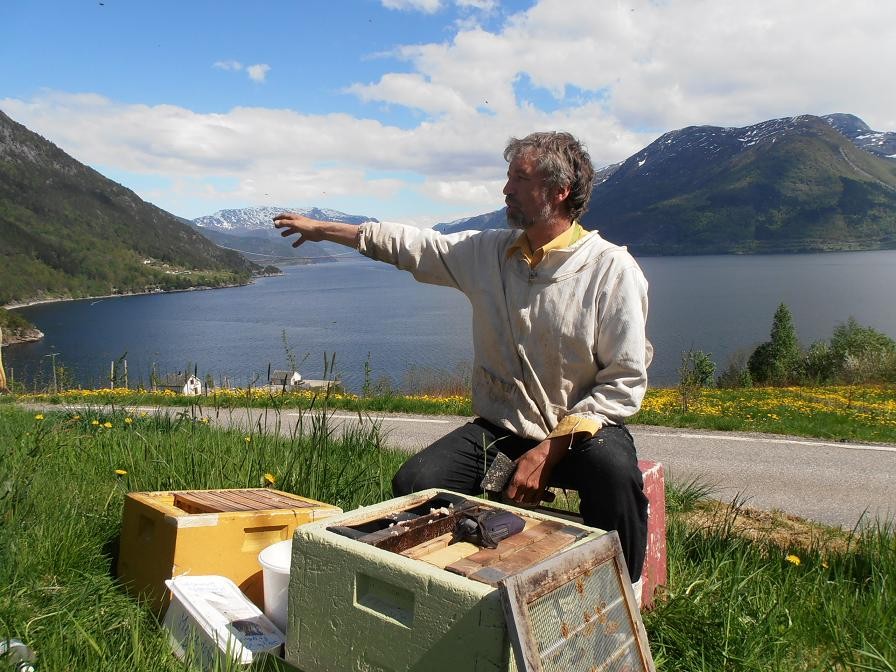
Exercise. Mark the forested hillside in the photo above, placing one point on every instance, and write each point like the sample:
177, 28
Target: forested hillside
67, 231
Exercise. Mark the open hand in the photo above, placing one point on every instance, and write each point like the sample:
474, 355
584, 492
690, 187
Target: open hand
308, 229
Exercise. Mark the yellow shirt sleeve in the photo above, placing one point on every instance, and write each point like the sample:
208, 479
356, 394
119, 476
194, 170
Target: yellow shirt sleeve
573, 424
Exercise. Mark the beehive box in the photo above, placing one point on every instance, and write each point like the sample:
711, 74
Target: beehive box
220, 532
355, 606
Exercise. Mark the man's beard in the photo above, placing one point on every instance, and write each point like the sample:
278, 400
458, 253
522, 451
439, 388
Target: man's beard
518, 220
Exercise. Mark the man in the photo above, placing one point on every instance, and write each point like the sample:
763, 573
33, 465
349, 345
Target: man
560, 351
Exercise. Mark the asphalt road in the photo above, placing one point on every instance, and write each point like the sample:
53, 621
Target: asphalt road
832, 483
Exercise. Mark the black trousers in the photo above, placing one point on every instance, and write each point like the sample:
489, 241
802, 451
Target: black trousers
603, 469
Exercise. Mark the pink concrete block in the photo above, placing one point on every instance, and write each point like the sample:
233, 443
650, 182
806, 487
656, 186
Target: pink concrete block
654, 573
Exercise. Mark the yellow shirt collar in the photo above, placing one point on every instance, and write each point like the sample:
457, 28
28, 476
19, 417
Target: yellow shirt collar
565, 239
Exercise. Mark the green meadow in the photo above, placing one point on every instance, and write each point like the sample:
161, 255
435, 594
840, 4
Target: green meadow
746, 592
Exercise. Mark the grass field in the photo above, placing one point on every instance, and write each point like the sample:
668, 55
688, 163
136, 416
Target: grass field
743, 594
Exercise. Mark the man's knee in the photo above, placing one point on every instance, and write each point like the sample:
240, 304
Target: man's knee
608, 458
454, 462
412, 476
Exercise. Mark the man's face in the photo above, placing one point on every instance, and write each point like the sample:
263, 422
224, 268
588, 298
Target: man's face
526, 194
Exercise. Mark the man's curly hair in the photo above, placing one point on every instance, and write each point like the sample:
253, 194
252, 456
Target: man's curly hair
562, 161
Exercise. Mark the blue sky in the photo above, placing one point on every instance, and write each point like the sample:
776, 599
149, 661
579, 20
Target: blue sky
399, 109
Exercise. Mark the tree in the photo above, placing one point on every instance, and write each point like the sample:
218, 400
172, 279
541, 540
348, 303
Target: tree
861, 354
778, 360
695, 373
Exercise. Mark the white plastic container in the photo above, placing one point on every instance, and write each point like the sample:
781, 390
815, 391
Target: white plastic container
275, 561
210, 616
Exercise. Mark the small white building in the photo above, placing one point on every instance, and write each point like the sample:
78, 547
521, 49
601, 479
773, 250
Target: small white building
285, 380
193, 387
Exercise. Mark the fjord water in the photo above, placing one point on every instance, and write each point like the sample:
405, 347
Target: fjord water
722, 305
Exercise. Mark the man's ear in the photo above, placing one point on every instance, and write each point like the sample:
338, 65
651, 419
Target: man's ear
560, 195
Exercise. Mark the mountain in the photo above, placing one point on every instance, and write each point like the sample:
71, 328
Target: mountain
250, 231
877, 142
785, 185
68, 232
490, 220
798, 184
248, 221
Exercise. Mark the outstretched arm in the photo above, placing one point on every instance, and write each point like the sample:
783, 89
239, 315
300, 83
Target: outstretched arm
316, 231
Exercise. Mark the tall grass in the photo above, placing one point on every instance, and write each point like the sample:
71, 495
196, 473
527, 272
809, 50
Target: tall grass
61, 495
735, 603
732, 603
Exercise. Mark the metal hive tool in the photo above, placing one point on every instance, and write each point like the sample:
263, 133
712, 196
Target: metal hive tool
576, 612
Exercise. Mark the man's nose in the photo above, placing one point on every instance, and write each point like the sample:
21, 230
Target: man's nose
507, 188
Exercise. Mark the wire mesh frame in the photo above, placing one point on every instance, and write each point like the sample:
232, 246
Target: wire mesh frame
576, 611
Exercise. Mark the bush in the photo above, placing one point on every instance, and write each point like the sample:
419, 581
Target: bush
696, 372
862, 354
818, 364
778, 361
736, 374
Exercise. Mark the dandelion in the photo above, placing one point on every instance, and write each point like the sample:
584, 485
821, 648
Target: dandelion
247, 439
204, 421
39, 417
107, 425
76, 417
269, 479
128, 421
94, 422
793, 559
121, 472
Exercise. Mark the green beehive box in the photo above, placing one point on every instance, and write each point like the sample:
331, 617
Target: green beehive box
356, 606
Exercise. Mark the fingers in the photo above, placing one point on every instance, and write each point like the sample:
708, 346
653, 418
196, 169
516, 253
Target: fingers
523, 492
289, 222
287, 219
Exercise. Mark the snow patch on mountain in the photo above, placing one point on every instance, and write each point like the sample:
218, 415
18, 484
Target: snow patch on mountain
881, 143
256, 218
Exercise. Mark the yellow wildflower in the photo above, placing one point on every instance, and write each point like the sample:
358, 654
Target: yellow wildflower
128, 421
269, 479
793, 559
39, 416
94, 422
247, 439
121, 472
76, 417
107, 425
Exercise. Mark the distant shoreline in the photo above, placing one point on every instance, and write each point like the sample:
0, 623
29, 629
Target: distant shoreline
36, 302
31, 335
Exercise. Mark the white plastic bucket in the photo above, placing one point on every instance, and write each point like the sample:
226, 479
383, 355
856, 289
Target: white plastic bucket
275, 561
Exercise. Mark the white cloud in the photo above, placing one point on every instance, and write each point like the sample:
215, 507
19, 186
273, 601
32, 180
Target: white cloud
616, 75
667, 64
432, 6
227, 65
412, 90
258, 73
426, 6
481, 5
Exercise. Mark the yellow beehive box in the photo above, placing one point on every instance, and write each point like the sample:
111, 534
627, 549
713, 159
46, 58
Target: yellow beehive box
220, 532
